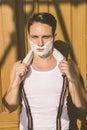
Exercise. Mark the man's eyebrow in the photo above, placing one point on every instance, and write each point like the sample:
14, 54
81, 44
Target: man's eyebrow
34, 35
47, 35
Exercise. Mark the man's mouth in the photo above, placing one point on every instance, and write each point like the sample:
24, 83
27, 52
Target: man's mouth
40, 49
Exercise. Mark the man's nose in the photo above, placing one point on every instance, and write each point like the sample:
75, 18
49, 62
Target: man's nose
40, 42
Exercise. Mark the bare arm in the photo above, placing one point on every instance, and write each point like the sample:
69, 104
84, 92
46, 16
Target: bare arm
77, 92
13, 96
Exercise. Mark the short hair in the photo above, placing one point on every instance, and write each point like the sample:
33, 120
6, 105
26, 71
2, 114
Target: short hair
45, 18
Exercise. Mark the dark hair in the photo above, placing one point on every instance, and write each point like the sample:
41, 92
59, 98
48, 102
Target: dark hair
45, 18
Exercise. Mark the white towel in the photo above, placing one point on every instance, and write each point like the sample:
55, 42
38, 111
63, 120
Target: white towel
27, 60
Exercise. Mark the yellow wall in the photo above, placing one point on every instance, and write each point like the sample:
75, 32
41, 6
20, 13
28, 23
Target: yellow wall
72, 28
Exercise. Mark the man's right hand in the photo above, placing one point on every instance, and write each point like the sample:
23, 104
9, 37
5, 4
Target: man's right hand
18, 73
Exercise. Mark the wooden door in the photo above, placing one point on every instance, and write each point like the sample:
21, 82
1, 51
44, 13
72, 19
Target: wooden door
71, 28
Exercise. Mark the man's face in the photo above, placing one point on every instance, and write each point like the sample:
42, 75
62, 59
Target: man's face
41, 39
40, 33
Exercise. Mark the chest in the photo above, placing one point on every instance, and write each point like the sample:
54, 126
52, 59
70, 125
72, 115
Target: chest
43, 83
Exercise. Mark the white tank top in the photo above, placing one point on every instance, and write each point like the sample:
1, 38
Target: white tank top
43, 89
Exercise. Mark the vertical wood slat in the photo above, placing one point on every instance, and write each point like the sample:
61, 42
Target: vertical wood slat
73, 29
83, 43
78, 38
29, 9
20, 25
9, 51
1, 41
86, 45
42, 6
8, 55
63, 16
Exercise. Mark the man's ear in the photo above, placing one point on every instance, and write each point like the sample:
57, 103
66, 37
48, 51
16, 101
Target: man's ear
54, 37
28, 36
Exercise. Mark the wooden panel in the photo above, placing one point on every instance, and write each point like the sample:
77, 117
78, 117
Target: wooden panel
62, 12
1, 41
42, 6
9, 121
79, 42
20, 26
86, 46
8, 55
29, 9
8, 44
72, 28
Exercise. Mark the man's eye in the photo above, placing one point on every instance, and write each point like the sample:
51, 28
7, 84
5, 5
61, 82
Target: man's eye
34, 37
46, 37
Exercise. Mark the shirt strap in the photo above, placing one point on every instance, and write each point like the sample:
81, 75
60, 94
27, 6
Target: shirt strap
61, 101
30, 122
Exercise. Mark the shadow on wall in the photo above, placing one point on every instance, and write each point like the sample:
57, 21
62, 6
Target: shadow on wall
32, 3
64, 48
74, 113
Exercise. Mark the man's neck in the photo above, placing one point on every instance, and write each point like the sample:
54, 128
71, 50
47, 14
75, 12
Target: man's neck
38, 59
43, 64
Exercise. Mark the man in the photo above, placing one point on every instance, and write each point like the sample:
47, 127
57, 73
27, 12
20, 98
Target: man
42, 73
